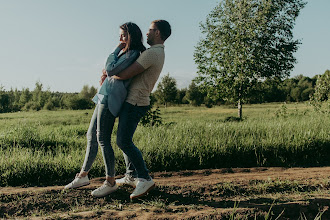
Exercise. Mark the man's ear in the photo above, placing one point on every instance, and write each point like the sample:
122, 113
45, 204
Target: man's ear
157, 33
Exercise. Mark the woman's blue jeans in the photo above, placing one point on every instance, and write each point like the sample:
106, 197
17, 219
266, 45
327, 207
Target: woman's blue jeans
99, 133
129, 118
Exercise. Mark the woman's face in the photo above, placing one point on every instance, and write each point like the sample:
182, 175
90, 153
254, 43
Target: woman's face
123, 36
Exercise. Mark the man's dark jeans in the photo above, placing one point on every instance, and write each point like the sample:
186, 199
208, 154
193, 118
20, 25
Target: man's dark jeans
129, 118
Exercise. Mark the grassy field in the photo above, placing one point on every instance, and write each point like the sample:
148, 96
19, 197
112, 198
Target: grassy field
48, 147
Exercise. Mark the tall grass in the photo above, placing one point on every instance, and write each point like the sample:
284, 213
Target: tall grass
39, 148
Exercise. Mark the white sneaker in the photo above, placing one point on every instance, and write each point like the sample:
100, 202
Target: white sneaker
105, 189
143, 186
127, 180
78, 182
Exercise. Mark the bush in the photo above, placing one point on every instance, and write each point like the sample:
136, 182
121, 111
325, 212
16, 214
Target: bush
75, 103
31, 105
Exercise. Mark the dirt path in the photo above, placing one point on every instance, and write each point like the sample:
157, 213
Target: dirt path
211, 194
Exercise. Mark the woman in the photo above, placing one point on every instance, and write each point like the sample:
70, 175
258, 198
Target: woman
109, 100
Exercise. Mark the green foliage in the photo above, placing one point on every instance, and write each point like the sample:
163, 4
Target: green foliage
282, 111
180, 97
52, 103
245, 42
76, 102
152, 117
194, 95
4, 101
15, 100
322, 93
166, 90
299, 88
88, 92
322, 89
25, 97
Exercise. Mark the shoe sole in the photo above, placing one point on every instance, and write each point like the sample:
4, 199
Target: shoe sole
104, 195
148, 190
125, 184
85, 184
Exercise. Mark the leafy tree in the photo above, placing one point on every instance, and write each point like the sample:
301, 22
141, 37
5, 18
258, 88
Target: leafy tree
166, 90
194, 95
52, 103
25, 97
37, 95
88, 92
322, 88
4, 101
246, 41
75, 102
299, 88
272, 91
180, 96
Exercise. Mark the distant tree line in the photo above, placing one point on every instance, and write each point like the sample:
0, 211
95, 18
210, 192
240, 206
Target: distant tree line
24, 100
297, 89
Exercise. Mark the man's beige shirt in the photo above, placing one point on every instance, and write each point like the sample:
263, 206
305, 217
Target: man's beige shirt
152, 60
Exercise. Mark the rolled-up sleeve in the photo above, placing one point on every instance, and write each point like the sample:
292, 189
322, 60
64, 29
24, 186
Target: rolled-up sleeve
147, 59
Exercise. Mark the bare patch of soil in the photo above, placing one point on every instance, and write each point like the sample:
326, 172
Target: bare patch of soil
193, 194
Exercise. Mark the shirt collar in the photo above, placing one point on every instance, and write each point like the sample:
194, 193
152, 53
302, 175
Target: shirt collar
157, 46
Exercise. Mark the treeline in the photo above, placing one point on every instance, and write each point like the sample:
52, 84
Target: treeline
297, 89
24, 100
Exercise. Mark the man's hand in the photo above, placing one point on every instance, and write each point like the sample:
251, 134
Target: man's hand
130, 71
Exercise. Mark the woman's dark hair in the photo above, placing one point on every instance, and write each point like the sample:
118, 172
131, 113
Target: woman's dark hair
134, 35
164, 28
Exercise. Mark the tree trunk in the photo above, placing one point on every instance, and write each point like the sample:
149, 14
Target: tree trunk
240, 109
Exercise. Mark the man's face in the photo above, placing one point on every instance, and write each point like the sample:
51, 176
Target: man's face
151, 35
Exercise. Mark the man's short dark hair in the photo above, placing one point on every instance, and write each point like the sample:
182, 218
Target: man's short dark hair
164, 27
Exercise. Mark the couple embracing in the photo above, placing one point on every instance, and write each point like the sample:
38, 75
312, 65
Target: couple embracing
130, 74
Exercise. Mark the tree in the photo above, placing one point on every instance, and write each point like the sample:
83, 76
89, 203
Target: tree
88, 92
25, 97
322, 88
166, 90
85, 97
272, 91
299, 88
180, 96
75, 102
194, 95
246, 41
4, 101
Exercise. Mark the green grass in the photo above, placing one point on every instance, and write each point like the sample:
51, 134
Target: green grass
48, 147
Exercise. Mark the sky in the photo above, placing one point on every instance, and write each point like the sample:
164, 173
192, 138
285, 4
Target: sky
64, 43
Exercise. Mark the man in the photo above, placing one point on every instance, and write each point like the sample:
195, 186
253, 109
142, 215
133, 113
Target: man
145, 72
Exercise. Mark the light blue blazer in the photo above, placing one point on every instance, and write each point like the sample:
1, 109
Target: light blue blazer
113, 91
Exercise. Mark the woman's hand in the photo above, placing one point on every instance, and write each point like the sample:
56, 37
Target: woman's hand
104, 72
103, 77
122, 45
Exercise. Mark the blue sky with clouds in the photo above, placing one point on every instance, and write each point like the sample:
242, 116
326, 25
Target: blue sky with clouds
64, 44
